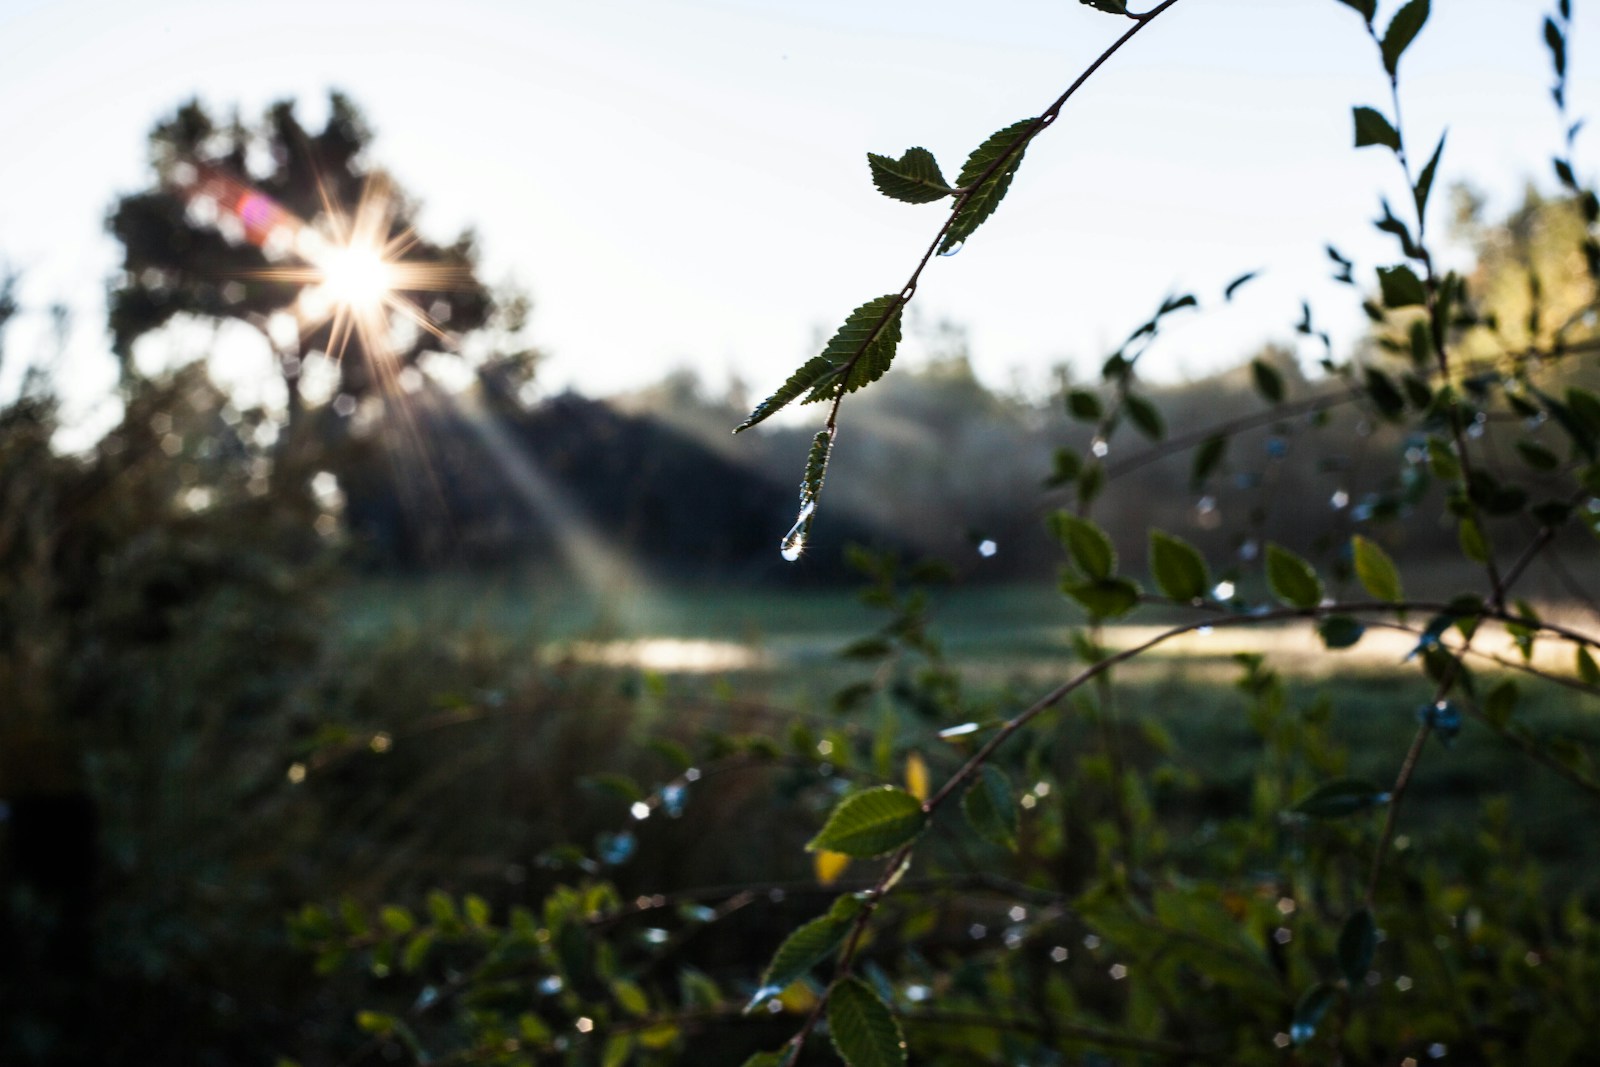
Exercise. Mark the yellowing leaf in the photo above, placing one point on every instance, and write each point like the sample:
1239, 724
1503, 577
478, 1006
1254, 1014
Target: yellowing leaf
917, 776
830, 865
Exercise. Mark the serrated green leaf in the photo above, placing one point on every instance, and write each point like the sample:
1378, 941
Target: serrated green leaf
1401, 287
1372, 128
1090, 547
980, 200
803, 949
1403, 29
1268, 380
914, 178
871, 823
990, 805
858, 353
864, 1031
1105, 599
1375, 570
1291, 579
1146, 418
1340, 631
1340, 797
1358, 940
1178, 567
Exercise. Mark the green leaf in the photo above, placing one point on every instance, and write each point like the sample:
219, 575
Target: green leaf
1501, 703
1365, 8
1340, 631
1385, 395
1291, 579
1178, 567
1207, 458
871, 823
864, 1031
1145, 417
914, 178
1403, 29
1268, 380
1090, 547
1084, 405
980, 200
1536, 455
1425, 179
1401, 287
768, 1059
1588, 671
871, 332
1238, 283
1340, 797
1442, 458
990, 805
1114, 7
1358, 940
1473, 544
630, 997
397, 920
1375, 570
617, 1050
1105, 599
1373, 128
803, 949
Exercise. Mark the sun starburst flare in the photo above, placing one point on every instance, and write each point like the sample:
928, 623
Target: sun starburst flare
352, 268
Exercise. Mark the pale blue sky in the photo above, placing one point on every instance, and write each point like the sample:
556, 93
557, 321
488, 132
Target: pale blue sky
683, 181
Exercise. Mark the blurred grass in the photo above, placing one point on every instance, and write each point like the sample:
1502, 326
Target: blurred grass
1011, 644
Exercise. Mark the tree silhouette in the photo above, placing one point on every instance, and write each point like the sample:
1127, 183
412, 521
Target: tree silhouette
231, 229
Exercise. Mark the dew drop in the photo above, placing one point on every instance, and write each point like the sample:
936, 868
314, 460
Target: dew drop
1100, 446
1300, 1033
958, 731
794, 542
987, 548
1339, 500
953, 249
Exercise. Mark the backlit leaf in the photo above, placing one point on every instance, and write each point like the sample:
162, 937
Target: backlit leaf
1375, 570
1088, 544
871, 823
990, 805
914, 178
871, 332
864, 1031
1178, 567
1292, 579
980, 200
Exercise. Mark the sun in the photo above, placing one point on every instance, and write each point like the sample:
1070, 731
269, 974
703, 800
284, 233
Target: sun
356, 276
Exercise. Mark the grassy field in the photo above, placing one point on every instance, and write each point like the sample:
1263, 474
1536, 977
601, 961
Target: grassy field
780, 651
